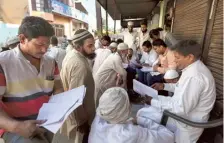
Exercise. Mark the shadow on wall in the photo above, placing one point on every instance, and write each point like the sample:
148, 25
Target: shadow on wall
7, 31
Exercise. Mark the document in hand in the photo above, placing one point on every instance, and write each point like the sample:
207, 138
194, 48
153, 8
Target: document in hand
147, 69
125, 65
59, 107
144, 90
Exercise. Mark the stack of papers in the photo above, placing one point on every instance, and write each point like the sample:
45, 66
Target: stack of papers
147, 69
144, 90
59, 107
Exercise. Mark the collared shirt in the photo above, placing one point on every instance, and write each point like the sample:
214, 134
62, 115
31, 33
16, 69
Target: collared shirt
23, 89
146, 131
57, 54
101, 56
194, 96
167, 61
143, 37
149, 58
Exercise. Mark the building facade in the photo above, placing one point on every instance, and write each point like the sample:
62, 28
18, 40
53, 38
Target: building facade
64, 15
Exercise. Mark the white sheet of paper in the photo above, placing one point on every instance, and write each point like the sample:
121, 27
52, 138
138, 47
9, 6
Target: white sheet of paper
59, 107
147, 69
125, 65
144, 90
56, 126
155, 73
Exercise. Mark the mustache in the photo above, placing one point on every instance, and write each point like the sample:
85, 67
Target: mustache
91, 56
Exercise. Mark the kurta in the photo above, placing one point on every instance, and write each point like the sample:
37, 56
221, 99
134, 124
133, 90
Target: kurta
76, 72
146, 131
101, 56
193, 99
106, 76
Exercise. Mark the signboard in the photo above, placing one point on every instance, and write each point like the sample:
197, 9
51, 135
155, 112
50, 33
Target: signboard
61, 8
66, 10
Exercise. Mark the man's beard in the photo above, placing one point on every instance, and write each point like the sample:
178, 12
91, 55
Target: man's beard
144, 31
89, 56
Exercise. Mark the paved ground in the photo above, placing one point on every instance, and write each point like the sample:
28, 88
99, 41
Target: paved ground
135, 108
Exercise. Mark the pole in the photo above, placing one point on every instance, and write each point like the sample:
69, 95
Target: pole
114, 26
106, 18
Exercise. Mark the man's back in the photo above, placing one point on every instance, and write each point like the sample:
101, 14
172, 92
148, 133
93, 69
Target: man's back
101, 56
146, 132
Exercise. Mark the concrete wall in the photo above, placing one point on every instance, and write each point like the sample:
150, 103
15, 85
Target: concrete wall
13, 11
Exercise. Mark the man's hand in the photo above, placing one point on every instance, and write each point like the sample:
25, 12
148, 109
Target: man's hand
134, 121
29, 128
119, 79
145, 65
147, 100
158, 86
83, 128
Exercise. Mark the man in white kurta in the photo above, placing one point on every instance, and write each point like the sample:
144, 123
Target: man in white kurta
143, 35
130, 37
109, 71
113, 124
194, 94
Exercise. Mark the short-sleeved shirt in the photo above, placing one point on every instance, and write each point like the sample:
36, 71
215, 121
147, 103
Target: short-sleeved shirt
23, 89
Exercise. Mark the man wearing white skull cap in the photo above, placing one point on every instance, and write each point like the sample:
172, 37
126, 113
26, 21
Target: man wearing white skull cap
111, 69
113, 124
130, 36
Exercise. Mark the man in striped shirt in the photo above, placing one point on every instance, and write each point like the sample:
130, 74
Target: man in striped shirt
27, 79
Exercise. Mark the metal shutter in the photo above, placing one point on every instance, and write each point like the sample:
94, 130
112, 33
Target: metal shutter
189, 21
215, 53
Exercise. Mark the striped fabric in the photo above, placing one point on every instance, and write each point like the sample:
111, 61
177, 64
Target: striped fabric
22, 89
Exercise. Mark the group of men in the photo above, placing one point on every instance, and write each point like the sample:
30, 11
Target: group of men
29, 75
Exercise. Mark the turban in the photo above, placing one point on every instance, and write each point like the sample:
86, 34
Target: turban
171, 74
122, 46
114, 106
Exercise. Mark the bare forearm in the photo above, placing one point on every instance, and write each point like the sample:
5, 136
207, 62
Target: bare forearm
58, 88
7, 123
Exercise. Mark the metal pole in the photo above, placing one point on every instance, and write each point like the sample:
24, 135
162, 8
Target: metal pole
106, 18
114, 26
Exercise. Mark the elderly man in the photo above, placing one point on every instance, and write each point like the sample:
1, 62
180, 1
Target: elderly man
130, 37
194, 93
110, 71
113, 124
27, 79
76, 72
